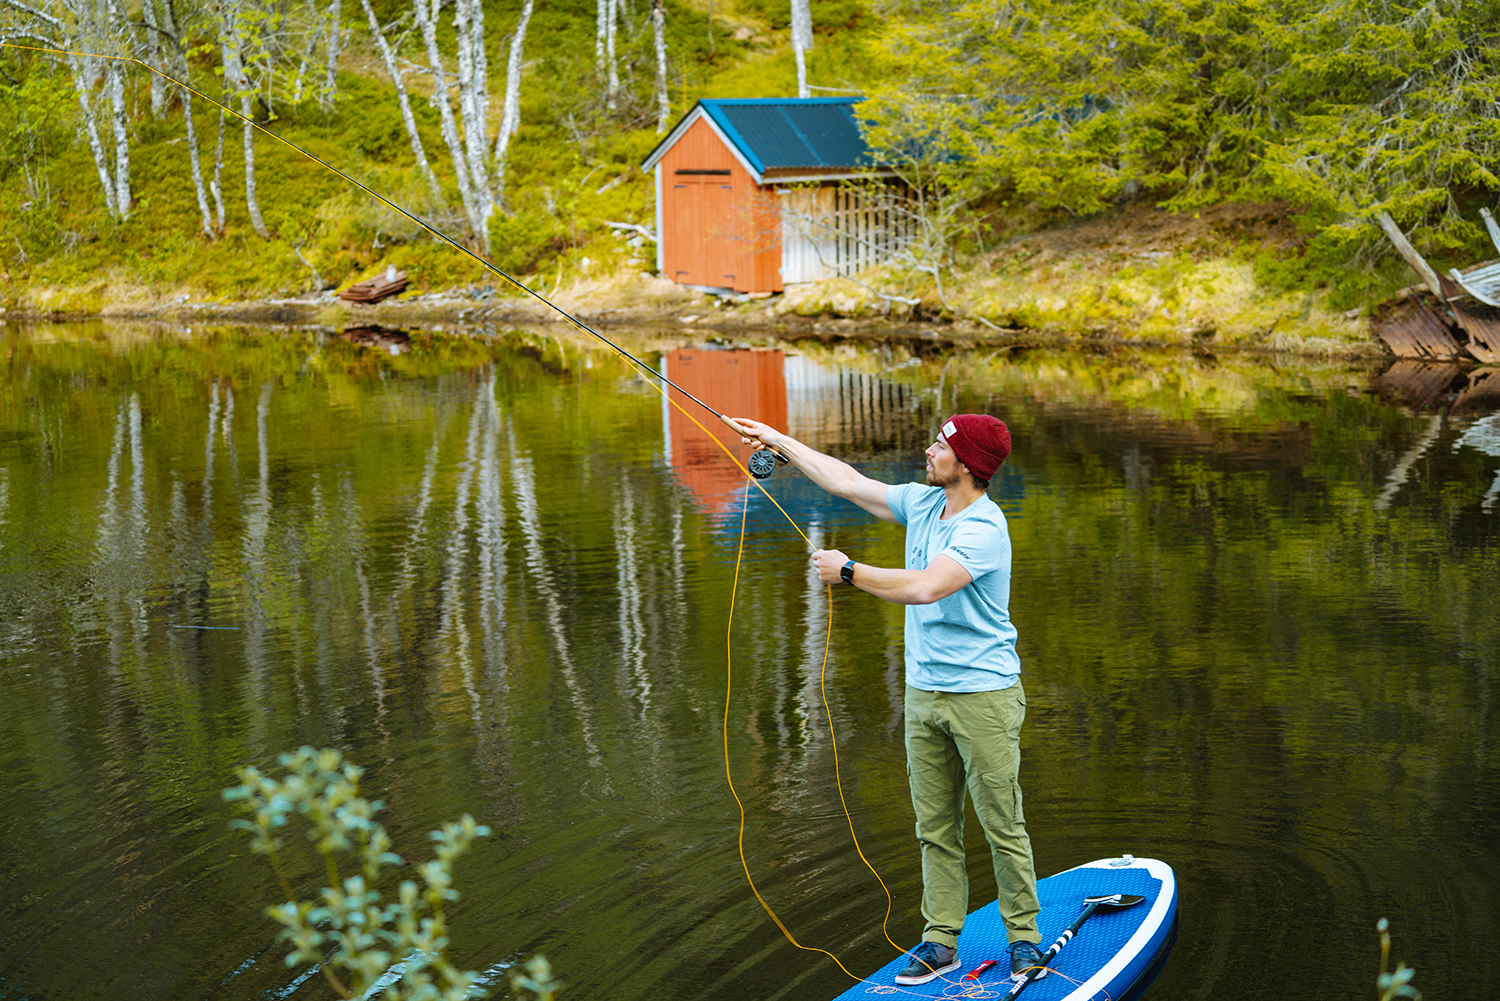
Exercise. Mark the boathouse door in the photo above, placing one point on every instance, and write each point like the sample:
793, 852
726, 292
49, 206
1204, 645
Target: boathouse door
705, 249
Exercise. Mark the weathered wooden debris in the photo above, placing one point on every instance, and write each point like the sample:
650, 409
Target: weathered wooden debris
374, 336
380, 287
1459, 315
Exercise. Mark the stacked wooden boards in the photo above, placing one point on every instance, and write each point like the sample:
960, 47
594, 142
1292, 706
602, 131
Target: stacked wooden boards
1114, 956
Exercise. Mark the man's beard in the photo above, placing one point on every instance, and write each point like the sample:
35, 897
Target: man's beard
934, 480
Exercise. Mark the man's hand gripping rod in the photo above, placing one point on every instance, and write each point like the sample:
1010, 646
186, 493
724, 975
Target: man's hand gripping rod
762, 462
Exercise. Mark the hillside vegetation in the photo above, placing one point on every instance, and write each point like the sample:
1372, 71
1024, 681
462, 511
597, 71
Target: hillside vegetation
1168, 169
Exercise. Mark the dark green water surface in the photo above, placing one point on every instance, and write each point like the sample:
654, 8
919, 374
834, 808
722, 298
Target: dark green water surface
1258, 602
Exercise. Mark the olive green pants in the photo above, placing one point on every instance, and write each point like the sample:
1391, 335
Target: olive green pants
969, 742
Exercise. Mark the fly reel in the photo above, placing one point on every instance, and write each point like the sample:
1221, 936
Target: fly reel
763, 463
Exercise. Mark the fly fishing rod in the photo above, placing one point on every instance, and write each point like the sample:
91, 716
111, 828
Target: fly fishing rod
762, 463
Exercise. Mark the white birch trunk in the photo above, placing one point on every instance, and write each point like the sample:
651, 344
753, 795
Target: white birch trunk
601, 19
252, 200
310, 46
407, 117
154, 52
659, 30
335, 45
426, 18
91, 131
217, 186
179, 61
114, 81
802, 42
612, 93
481, 58
469, 106
510, 119
234, 78
197, 168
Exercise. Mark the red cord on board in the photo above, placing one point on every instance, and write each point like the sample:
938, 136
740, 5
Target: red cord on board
979, 970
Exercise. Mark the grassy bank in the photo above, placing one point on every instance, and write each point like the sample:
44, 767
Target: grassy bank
1225, 275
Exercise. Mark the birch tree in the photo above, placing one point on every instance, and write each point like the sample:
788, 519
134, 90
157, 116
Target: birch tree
659, 31
408, 119
216, 186
802, 41
611, 63
468, 23
114, 82
238, 84
309, 48
601, 22
194, 166
155, 53
76, 27
171, 31
510, 120
474, 207
335, 45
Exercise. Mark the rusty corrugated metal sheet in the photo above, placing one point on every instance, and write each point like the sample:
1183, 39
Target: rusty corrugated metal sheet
1482, 391
1415, 328
1418, 384
1482, 323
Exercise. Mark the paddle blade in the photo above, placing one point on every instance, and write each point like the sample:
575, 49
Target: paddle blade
1115, 900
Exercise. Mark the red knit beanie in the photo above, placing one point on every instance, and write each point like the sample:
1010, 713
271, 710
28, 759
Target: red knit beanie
980, 441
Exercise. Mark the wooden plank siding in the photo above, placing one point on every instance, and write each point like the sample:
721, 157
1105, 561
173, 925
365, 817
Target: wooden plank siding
718, 227
831, 230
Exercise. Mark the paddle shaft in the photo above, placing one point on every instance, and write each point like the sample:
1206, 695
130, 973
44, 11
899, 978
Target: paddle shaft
1051, 953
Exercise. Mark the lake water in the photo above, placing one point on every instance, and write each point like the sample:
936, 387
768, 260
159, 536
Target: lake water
1257, 602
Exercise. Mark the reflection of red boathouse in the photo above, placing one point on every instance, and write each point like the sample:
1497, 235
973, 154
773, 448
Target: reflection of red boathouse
737, 383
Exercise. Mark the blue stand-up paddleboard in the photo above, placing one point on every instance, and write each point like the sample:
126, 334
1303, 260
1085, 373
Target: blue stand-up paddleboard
1113, 956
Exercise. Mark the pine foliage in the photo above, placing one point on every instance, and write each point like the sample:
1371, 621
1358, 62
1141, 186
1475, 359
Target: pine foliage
1343, 109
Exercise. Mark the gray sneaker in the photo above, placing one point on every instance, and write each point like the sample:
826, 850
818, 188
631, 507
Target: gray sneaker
1025, 957
929, 960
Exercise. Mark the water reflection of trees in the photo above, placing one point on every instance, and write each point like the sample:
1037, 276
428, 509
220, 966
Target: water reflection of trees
471, 564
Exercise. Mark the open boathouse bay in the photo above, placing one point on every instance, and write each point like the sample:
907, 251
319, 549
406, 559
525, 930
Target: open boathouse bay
1258, 603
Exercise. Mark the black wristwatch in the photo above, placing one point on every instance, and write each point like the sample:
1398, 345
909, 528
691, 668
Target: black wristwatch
847, 572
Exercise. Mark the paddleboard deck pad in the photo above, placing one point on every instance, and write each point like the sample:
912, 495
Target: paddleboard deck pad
1114, 956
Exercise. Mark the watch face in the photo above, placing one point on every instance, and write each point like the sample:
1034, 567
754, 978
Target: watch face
847, 572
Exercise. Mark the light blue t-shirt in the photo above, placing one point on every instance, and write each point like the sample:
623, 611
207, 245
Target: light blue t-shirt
964, 643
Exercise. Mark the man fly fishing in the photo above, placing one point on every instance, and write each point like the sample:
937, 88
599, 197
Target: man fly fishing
964, 700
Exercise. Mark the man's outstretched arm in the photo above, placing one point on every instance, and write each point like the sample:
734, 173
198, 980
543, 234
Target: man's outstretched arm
837, 477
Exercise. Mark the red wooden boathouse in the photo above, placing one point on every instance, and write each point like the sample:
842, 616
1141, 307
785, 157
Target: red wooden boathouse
750, 195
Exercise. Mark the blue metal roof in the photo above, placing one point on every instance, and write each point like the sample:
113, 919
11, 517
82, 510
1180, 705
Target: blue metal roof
785, 133
793, 132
